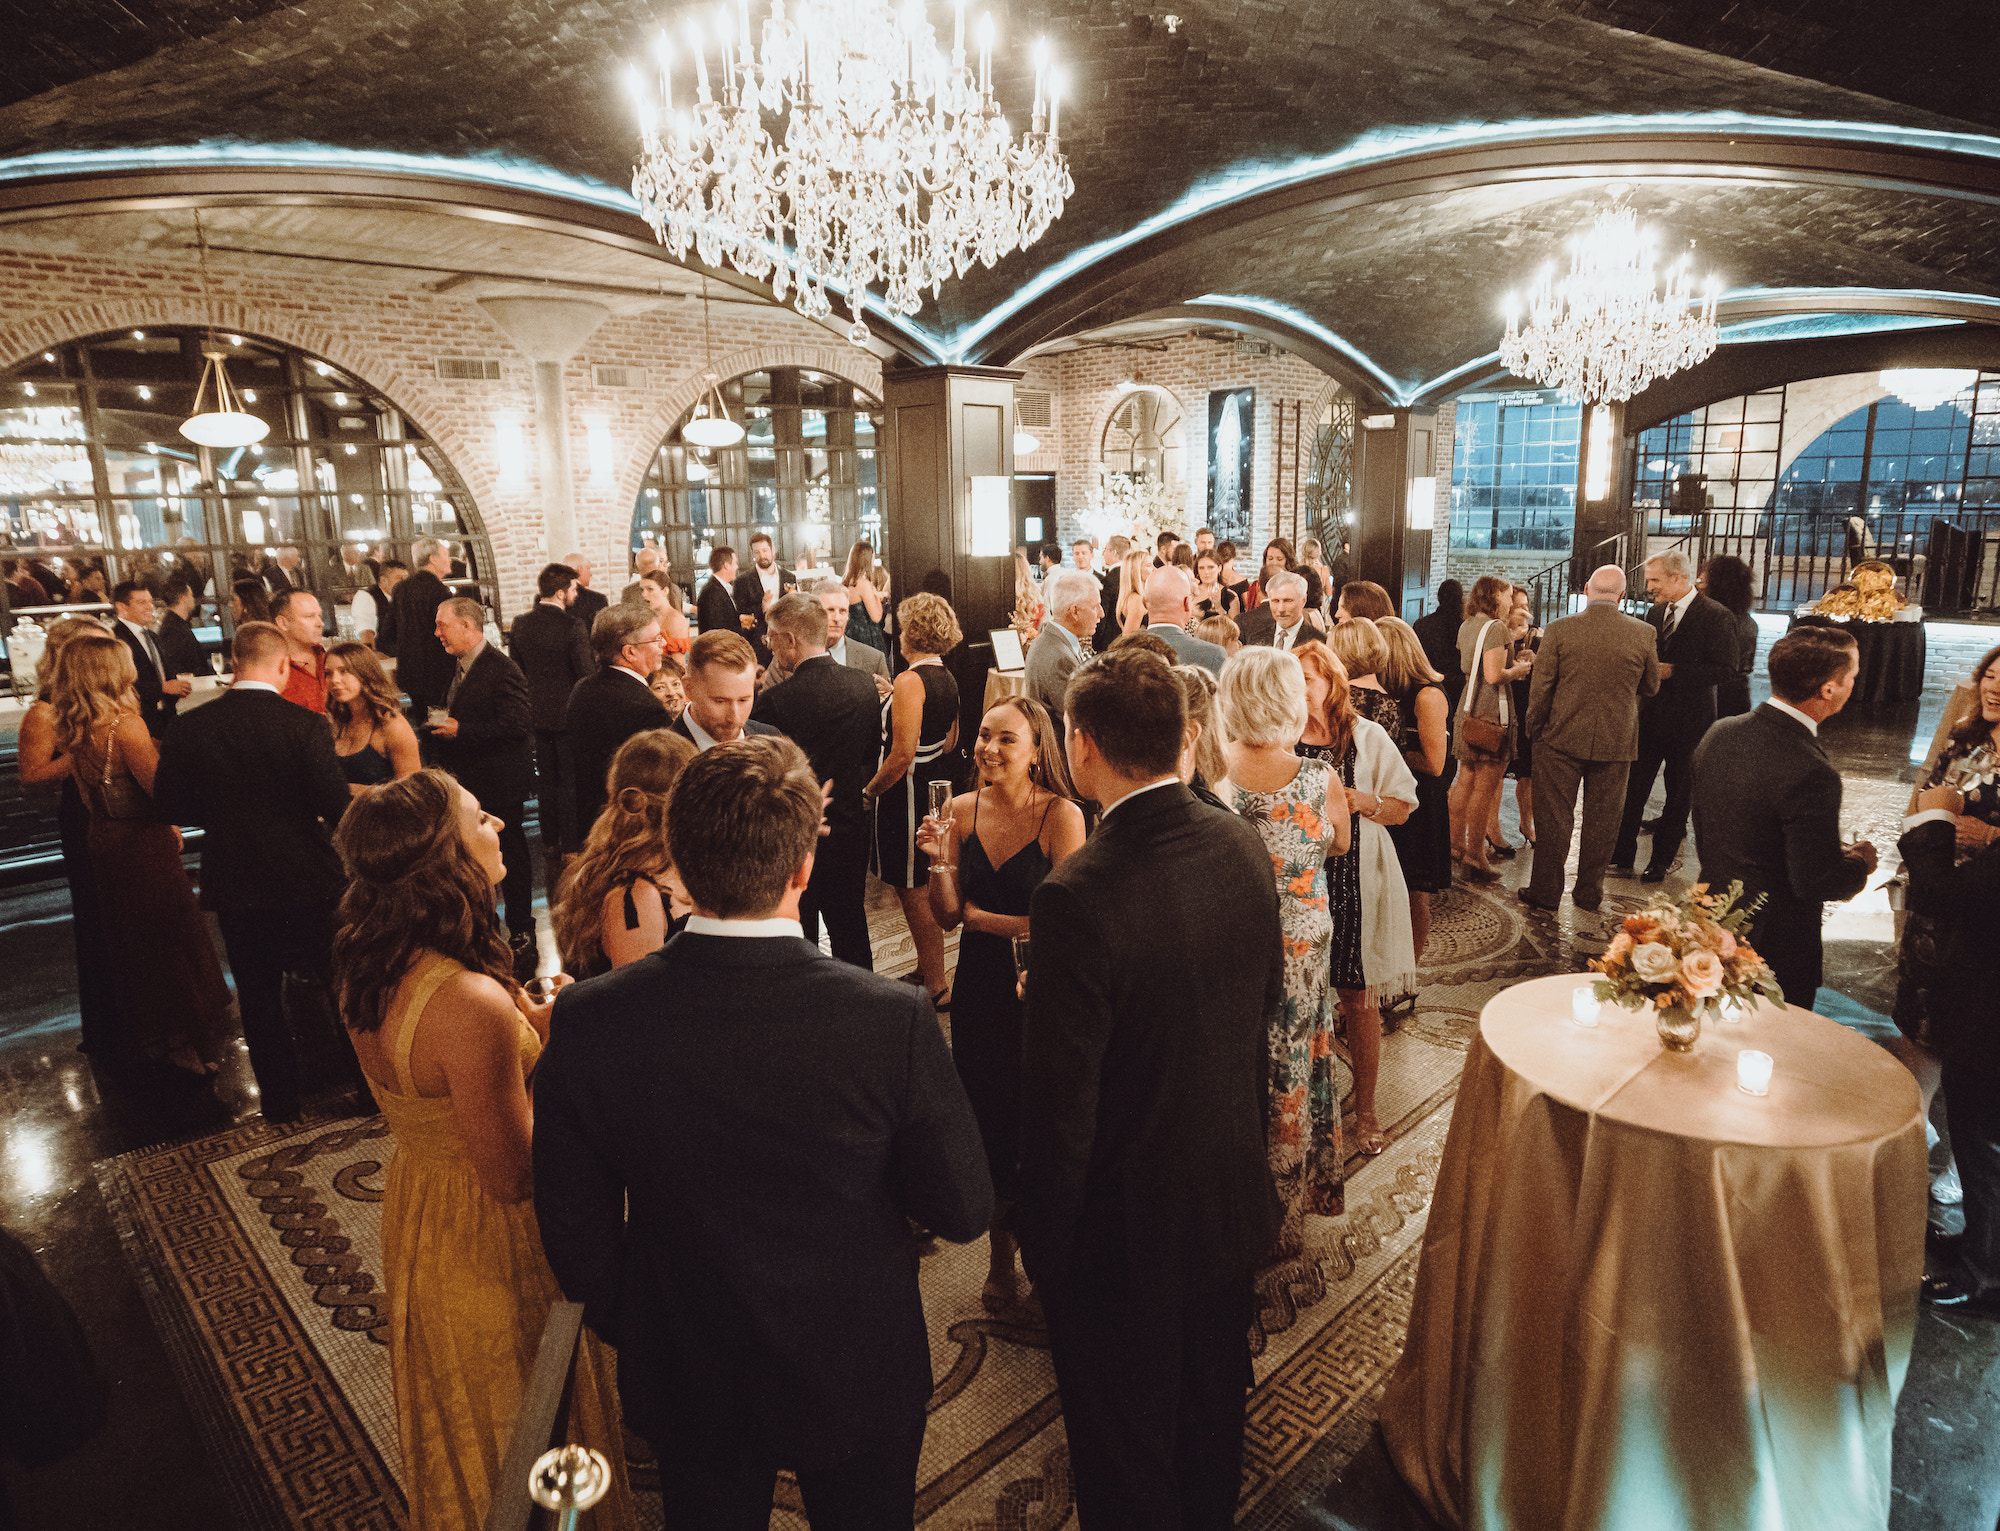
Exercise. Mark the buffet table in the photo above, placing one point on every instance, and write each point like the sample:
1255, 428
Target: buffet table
1649, 1299
1893, 655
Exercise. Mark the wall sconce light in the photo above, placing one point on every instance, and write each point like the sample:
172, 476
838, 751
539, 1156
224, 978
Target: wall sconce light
1025, 445
597, 436
1597, 470
511, 449
992, 515
1423, 503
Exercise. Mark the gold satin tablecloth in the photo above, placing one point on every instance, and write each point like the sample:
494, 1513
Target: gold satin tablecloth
1001, 684
1648, 1300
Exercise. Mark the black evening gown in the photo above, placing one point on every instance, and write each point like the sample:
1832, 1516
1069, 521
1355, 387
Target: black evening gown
985, 1015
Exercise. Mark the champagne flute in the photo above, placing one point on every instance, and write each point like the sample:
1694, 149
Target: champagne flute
1021, 956
941, 812
219, 663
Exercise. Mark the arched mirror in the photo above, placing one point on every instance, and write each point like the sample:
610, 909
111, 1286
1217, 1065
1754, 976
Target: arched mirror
1143, 436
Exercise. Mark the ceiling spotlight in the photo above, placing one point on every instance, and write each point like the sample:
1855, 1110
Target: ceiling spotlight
138, 334
48, 356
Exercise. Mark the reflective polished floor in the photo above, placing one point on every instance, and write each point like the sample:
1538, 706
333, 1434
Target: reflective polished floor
60, 1113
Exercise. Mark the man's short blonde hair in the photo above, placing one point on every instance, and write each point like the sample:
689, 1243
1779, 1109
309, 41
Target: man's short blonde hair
1262, 698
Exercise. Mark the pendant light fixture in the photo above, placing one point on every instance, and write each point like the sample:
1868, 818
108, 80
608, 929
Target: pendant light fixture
711, 425
225, 423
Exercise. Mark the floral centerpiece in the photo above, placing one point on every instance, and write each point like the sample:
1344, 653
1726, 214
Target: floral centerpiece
1679, 957
1133, 505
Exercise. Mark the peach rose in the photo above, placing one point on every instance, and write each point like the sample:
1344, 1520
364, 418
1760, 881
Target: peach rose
1725, 944
1653, 962
1620, 948
1701, 973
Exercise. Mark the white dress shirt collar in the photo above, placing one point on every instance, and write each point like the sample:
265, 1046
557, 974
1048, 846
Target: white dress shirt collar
1285, 637
1068, 637
839, 650
1811, 723
705, 925
256, 685
1680, 607
1151, 786
703, 740
623, 670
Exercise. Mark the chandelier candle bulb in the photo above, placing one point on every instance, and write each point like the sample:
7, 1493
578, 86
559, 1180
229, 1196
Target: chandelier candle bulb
986, 55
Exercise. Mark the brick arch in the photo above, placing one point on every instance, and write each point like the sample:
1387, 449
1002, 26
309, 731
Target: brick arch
409, 392
845, 362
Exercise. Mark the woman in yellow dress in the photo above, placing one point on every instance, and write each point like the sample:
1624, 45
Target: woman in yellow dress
448, 1042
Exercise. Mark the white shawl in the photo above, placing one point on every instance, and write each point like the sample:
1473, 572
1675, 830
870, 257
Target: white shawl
1388, 953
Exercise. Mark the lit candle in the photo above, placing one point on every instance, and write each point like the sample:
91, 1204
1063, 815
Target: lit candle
1753, 1072
1730, 1009
743, 30
1584, 1004
986, 54
958, 34
1055, 104
700, 62
1041, 74
663, 54
639, 102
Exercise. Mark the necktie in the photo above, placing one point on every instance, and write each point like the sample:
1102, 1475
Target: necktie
1284, 640
457, 679
153, 652
1667, 627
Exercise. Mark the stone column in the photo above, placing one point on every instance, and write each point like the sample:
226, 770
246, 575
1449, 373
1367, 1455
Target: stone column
549, 331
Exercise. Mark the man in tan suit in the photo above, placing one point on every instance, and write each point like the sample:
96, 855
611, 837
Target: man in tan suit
1583, 716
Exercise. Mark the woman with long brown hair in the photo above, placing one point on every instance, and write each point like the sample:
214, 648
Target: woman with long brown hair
866, 601
39, 762
619, 896
172, 1003
1484, 644
1373, 955
988, 855
1423, 840
447, 1038
372, 738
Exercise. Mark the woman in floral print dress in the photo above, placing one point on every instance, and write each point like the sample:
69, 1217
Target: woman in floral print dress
1303, 821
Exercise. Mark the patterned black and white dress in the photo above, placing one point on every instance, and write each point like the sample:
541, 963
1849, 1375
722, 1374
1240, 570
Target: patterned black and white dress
901, 809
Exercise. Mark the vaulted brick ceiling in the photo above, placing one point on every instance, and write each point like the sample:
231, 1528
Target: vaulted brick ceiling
1157, 124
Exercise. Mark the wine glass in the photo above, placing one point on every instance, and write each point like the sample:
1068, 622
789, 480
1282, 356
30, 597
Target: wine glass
941, 814
219, 663
1021, 956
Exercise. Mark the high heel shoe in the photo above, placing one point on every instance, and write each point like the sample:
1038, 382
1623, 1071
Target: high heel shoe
1500, 848
1479, 871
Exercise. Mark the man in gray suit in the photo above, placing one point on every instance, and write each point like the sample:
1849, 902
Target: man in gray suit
1169, 607
845, 650
1075, 602
1583, 716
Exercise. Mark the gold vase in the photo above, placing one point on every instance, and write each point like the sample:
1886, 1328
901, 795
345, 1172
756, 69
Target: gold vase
1680, 1028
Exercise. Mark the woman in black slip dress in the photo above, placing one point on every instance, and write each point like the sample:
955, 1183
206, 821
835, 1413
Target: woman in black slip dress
1000, 841
919, 732
619, 899
371, 737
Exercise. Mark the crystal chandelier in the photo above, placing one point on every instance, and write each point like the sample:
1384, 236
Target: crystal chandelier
1607, 329
884, 160
1925, 388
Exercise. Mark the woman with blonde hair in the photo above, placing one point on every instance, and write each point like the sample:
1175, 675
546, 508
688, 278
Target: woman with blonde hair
1220, 631
371, 736
989, 853
1027, 597
166, 982
865, 596
1296, 805
447, 1039
1132, 576
1204, 762
1423, 840
1373, 954
619, 895
39, 762
920, 730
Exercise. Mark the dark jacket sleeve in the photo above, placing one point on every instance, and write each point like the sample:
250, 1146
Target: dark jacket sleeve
1542, 684
1816, 865
1066, 1029
506, 717
582, 661
579, 1193
1714, 660
936, 1163
1939, 887
176, 784
326, 788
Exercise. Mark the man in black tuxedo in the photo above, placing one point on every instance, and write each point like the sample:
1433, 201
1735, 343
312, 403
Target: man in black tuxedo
834, 714
1111, 578
1146, 1198
758, 590
609, 707
1767, 806
423, 668
553, 651
486, 743
159, 693
721, 691
732, 1136
715, 608
180, 650
1697, 651
374, 608
259, 775
589, 602
1280, 620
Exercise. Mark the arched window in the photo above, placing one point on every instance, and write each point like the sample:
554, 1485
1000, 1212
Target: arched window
805, 473
1143, 437
96, 478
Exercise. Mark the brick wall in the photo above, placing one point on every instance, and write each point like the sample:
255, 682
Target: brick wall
389, 337
1084, 385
